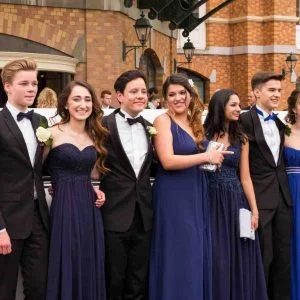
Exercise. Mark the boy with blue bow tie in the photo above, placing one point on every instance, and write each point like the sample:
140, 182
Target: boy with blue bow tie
266, 137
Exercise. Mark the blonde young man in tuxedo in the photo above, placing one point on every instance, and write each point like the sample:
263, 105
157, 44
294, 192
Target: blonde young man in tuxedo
266, 138
23, 207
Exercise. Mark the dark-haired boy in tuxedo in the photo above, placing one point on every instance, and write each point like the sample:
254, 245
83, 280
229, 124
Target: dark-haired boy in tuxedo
127, 212
266, 138
23, 207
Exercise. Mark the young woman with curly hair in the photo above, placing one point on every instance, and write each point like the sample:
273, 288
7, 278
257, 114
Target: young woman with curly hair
180, 265
76, 261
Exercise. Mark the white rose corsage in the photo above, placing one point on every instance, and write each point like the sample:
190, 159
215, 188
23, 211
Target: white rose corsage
151, 130
44, 135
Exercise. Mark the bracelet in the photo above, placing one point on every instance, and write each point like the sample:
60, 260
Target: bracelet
255, 216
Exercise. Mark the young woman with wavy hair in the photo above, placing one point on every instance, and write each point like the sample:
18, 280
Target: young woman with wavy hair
180, 263
76, 261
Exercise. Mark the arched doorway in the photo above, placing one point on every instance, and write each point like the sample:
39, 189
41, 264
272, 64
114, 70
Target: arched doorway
55, 67
200, 82
151, 66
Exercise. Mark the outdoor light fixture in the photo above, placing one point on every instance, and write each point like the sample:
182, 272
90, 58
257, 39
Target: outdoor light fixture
143, 28
188, 50
291, 62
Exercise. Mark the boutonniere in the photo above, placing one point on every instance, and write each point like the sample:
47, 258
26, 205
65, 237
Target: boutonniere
44, 135
287, 129
151, 131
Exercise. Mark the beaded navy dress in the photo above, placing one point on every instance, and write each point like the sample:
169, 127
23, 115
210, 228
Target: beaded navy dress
76, 261
237, 264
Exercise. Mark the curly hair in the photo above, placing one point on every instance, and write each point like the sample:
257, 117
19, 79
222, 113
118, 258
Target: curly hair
47, 99
292, 101
94, 128
195, 108
215, 120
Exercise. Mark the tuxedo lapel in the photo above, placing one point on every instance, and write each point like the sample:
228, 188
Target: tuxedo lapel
35, 124
260, 139
281, 129
149, 152
16, 132
117, 145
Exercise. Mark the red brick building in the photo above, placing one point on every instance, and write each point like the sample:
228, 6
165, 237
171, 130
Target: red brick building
83, 39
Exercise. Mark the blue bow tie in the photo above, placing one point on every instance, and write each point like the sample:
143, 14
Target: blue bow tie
272, 116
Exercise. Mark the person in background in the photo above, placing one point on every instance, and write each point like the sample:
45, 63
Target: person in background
265, 132
127, 212
154, 102
236, 263
251, 101
24, 218
292, 162
47, 99
105, 99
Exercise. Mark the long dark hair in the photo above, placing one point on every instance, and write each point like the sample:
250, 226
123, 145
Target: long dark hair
214, 124
93, 125
292, 101
195, 108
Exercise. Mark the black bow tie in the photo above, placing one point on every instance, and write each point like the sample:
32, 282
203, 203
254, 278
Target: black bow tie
132, 121
22, 115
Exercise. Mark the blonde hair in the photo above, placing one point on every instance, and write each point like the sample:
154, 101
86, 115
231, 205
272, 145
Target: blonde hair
10, 69
47, 99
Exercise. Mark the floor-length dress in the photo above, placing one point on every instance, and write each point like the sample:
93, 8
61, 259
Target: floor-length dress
76, 261
237, 264
180, 258
292, 163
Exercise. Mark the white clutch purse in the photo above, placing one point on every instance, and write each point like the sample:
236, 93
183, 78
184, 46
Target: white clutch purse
212, 145
245, 224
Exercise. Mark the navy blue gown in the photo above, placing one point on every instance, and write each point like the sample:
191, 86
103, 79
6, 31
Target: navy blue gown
237, 264
180, 257
76, 261
292, 163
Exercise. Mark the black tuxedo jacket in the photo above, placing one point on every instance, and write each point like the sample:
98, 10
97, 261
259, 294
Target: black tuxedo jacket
269, 180
121, 186
17, 178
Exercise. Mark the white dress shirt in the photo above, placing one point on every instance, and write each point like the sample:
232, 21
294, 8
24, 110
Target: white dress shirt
134, 141
271, 134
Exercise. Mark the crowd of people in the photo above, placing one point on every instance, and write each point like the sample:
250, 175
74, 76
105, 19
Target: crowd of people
125, 239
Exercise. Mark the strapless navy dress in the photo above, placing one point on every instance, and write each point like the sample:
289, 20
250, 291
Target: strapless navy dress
76, 261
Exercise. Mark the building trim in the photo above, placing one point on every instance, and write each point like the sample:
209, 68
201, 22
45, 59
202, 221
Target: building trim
249, 49
45, 62
258, 19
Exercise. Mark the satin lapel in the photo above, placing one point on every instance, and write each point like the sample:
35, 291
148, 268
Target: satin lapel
117, 145
16, 132
148, 156
35, 124
260, 139
281, 128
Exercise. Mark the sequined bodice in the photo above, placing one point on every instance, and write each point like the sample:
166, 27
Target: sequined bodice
230, 167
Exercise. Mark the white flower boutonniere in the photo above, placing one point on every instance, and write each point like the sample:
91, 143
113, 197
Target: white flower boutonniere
151, 130
44, 135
